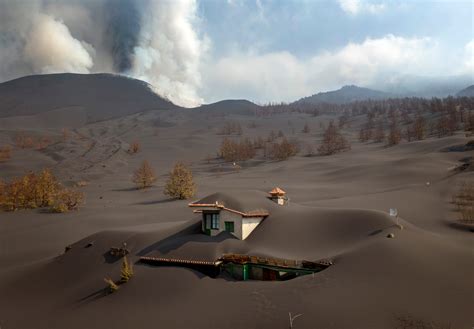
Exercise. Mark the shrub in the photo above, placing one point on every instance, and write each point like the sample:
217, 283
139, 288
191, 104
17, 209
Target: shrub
22, 141
111, 286
394, 135
180, 184
134, 147
271, 136
333, 141
379, 134
47, 188
126, 272
230, 128
419, 128
81, 183
38, 190
67, 200
464, 200
43, 142
237, 151
364, 134
283, 150
5, 153
144, 176
258, 143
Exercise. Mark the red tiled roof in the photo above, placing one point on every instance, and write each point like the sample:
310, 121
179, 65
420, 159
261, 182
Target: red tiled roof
277, 191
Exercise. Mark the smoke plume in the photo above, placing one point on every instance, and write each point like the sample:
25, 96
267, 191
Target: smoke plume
156, 41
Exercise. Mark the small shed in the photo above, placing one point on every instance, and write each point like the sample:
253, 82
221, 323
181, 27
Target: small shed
221, 212
278, 196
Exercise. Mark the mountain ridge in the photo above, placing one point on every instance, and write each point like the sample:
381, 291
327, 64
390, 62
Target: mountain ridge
346, 94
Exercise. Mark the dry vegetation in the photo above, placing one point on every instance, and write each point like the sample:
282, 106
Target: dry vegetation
180, 184
111, 286
126, 272
333, 141
38, 190
231, 128
5, 153
23, 141
238, 151
134, 147
283, 150
464, 200
144, 176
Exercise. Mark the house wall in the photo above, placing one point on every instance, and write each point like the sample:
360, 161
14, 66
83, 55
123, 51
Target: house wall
227, 216
249, 224
242, 226
224, 216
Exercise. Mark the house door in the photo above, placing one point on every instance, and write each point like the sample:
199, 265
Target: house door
229, 227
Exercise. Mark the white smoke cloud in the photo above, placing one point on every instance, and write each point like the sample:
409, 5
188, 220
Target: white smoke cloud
156, 41
50, 48
170, 51
281, 76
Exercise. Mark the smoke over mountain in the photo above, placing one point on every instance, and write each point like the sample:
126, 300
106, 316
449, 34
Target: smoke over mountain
155, 41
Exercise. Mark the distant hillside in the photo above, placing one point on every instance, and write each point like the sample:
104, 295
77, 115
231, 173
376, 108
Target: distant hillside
238, 106
467, 92
346, 94
96, 96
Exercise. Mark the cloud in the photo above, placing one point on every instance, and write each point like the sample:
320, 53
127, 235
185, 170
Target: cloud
355, 7
468, 66
156, 41
50, 48
169, 51
281, 76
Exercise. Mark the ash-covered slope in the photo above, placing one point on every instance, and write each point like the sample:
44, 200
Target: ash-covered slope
346, 94
98, 96
230, 106
467, 92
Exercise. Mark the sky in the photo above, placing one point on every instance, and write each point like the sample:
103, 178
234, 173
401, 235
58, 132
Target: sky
202, 51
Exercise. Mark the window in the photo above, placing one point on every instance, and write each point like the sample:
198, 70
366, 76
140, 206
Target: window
229, 227
212, 220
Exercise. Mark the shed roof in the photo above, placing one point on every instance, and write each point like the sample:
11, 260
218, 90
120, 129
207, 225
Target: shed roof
277, 191
247, 206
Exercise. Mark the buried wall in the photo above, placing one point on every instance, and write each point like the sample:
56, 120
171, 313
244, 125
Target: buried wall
224, 216
249, 224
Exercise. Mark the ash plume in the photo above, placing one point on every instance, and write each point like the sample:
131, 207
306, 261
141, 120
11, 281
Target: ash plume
123, 28
156, 41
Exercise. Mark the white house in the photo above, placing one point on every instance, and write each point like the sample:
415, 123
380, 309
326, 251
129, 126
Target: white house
221, 212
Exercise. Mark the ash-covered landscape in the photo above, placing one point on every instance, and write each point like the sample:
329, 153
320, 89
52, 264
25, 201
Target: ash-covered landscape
163, 167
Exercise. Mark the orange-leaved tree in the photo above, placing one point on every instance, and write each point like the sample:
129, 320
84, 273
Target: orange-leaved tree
144, 176
180, 184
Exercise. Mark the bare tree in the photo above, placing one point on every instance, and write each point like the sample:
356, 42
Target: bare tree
333, 141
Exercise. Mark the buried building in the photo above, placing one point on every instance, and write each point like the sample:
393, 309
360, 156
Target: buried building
221, 212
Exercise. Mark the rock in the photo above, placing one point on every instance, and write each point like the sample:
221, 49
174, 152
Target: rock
390, 235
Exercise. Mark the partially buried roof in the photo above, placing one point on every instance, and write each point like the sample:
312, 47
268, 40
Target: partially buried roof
247, 204
277, 191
